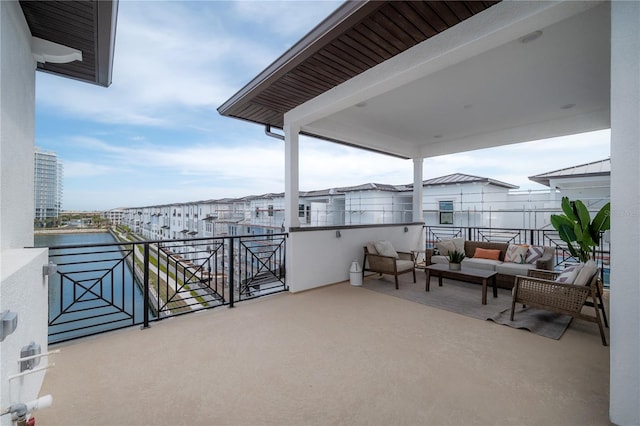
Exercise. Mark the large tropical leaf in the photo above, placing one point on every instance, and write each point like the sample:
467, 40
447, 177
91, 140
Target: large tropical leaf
559, 220
567, 233
602, 221
567, 208
583, 214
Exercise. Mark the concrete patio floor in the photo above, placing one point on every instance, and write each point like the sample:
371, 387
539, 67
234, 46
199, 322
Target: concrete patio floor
338, 355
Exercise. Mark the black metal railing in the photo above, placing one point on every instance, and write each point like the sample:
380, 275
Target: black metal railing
102, 287
539, 237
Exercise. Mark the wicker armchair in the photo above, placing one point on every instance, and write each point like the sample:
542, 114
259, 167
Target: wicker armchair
389, 265
539, 290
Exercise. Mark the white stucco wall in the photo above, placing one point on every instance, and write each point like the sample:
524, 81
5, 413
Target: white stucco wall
318, 258
625, 220
23, 290
17, 118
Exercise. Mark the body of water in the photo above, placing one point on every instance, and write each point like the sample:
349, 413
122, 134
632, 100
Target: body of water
93, 290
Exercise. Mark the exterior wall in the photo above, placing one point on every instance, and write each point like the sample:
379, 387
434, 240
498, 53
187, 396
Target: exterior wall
377, 207
625, 224
318, 257
473, 204
21, 275
20, 269
594, 192
17, 121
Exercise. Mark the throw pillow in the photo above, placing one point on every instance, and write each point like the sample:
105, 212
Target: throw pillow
371, 248
569, 274
534, 253
586, 273
459, 244
486, 254
516, 253
385, 248
444, 247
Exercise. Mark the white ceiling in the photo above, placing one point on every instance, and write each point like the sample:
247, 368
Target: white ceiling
500, 91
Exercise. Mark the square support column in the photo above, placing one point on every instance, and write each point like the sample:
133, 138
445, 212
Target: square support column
291, 175
417, 190
625, 214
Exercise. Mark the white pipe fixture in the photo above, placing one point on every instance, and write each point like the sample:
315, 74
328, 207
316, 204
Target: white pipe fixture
47, 51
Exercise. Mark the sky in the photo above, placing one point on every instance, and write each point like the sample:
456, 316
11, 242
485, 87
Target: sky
155, 137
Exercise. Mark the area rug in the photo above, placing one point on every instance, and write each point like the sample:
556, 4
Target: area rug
466, 299
538, 321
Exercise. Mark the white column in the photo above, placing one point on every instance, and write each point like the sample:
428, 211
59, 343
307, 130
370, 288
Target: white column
625, 214
291, 175
417, 190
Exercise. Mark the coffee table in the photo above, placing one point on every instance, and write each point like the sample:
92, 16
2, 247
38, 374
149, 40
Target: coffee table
471, 275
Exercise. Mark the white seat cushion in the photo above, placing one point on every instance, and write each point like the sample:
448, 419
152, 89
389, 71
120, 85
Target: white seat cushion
486, 264
403, 265
508, 268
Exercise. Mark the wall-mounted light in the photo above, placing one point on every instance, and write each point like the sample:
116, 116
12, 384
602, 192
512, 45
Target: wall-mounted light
8, 323
29, 356
406, 229
50, 269
338, 235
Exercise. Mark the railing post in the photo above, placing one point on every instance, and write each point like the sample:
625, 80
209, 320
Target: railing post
145, 286
231, 273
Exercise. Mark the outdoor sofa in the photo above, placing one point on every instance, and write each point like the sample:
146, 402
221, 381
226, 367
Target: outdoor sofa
508, 260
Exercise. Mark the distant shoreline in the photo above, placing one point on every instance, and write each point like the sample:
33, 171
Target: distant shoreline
70, 231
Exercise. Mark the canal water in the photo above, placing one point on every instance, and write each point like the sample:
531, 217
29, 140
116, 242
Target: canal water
93, 291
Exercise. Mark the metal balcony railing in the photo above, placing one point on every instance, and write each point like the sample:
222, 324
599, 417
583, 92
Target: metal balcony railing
102, 287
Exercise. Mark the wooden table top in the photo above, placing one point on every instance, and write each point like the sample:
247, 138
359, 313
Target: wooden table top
464, 271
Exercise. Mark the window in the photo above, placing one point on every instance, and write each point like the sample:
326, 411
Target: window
257, 212
446, 212
270, 209
300, 210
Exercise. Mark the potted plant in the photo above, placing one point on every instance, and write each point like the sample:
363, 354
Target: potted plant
455, 258
577, 230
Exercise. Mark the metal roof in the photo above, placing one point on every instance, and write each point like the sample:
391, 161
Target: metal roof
88, 26
595, 168
358, 36
459, 178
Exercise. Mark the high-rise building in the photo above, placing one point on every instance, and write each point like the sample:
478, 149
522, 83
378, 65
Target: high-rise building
48, 172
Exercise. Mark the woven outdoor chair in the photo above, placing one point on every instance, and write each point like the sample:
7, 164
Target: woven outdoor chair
539, 290
387, 265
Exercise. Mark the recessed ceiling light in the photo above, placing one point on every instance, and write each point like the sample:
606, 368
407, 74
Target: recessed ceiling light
361, 104
568, 106
530, 37
467, 106
437, 136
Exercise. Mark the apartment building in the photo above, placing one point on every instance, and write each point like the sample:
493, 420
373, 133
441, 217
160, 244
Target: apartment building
457, 199
48, 174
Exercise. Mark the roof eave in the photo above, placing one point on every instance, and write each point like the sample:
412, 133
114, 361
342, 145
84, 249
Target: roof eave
106, 33
340, 20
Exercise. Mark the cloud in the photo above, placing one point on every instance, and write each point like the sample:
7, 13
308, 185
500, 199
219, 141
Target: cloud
81, 169
176, 62
287, 18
